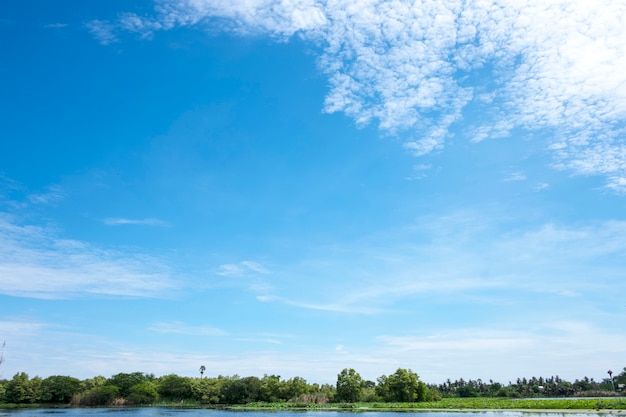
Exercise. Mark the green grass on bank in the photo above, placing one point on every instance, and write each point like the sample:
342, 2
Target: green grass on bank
446, 404
455, 404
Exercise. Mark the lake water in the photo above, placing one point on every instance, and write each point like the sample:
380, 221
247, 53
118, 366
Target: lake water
169, 412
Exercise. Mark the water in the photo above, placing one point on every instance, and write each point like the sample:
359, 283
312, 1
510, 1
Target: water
172, 412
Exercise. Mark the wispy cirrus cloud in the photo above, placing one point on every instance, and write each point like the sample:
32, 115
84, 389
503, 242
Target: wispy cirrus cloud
515, 176
9, 188
416, 68
121, 221
332, 307
241, 269
57, 25
52, 194
177, 327
259, 340
466, 257
548, 348
20, 326
35, 262
103, 31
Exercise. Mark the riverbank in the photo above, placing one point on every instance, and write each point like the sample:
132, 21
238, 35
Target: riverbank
614, 406
457, 404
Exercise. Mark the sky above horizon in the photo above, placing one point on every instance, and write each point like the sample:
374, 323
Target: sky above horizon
294, 187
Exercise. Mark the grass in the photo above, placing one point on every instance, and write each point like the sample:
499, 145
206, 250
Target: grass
446, 404
454, 404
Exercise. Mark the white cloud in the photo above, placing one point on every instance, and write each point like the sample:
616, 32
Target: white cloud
118, 221
241, 269
56, 25
258, 340
415, 66
36, 262
176, 327
515, 176
470, 341
133, 23
23, 327
230, 270
569, 349
420, 171
103, 31
52, 194
255, 267
465, 257
500, 128
282, 17
343, 306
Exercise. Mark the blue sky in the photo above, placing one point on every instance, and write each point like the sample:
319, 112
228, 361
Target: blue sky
297, 187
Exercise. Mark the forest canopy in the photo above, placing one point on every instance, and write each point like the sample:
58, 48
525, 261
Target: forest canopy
403, 385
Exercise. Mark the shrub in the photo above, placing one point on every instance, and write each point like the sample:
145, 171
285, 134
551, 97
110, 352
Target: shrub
103, 395
142, 394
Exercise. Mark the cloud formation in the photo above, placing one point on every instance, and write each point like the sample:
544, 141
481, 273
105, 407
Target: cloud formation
177, 327
103, 31
417, 67
52, 195
550, 347
119, 221
35, 262
241, 269
465, 257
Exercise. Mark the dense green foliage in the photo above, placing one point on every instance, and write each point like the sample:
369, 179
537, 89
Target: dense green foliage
349, 386
533, 387
402, 389
402, 386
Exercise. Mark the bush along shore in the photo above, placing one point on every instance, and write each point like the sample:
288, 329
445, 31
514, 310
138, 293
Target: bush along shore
402, 390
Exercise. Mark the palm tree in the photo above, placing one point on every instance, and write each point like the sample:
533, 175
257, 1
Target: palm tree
202, 369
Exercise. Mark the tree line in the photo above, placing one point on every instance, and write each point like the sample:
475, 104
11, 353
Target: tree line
552, 386
404, 385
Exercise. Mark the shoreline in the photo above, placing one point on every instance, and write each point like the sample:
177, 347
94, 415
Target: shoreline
612, 412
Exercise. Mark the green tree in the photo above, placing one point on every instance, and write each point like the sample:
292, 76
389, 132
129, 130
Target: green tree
329, 391
237, 390
294, 388
206, 390
401, 386
101, 395
233, 391
433, 394
3, 390
94, 382
270, 389
467, 391
123, 381
382, 388
22, 390
349, 386
174, 387
143, 393
59, 389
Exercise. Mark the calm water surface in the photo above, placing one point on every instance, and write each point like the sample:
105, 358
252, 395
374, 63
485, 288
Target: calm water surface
169, 412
